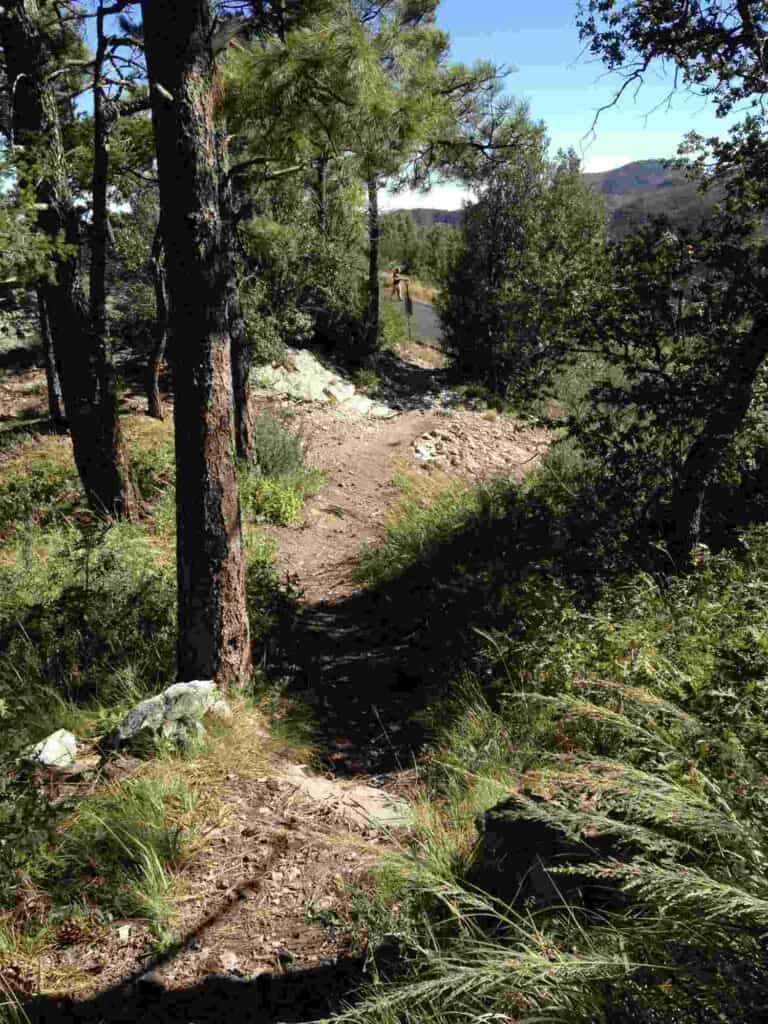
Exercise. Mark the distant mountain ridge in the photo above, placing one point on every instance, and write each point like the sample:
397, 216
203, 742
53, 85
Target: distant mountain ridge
426, 217
639, 191
634, 194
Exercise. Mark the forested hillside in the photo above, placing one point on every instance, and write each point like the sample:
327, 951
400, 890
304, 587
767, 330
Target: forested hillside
383, 618
634, 194
637, 193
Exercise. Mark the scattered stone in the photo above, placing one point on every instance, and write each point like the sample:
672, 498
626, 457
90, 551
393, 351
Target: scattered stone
58, 750
175, 714
362, 806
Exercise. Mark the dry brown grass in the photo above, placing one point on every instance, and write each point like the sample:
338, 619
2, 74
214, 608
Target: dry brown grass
145, 432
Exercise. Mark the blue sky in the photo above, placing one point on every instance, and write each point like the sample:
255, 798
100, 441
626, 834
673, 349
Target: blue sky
565, 87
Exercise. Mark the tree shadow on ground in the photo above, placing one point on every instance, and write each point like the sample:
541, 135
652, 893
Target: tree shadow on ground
286, 996
21, 358
296, 995
371, 666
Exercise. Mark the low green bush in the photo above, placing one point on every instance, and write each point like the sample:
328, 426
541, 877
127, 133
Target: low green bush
92, 626
393, 325
153, 469
42, 493
365, 379
277, 451
278, 500
274, 487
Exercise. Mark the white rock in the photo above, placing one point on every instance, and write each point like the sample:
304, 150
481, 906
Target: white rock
58, 750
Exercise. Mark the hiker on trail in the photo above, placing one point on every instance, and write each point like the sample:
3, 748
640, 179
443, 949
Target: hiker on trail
397, 283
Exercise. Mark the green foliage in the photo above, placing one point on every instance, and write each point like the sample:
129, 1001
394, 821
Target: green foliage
153, 469
671, 342
272, 500
432, 509
96, 626
531, 265
271, 603
42, 493
428, 253
365, 379
28, 825
393, 325
274, 488
643, 716
277, 451
116, 849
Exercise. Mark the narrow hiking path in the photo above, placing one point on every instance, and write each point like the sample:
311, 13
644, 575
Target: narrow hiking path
361, 457
366, 662
263, 925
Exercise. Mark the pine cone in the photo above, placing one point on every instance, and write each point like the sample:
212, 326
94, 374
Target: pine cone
71, 932
18, 977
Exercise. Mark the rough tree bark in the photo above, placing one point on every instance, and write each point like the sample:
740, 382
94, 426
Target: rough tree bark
372, 320
242, 355
100, 455
212, 619
55, 397
735, 391
108, 422
160, 340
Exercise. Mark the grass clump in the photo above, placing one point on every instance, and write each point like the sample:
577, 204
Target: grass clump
271, 602
365, 379
100, 629
432, 508
393, 325
41, 493
120, 847
274, 487
277, 451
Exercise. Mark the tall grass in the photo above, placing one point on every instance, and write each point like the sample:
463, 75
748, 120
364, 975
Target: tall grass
432, 508
116, 850
641, 716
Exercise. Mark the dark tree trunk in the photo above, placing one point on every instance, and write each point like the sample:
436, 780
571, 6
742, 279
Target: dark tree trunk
735, 391
242, 355
154, 402
107, 418
99, 453
372, 322
212, 620
55, 398
322, 193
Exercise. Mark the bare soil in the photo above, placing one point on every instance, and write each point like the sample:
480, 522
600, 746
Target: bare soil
359, 456
22, 393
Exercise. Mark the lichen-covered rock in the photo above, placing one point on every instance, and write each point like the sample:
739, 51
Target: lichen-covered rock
174, 714
58, 750
304, 377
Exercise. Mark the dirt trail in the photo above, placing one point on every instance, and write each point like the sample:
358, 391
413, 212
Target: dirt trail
264, 909
359, 456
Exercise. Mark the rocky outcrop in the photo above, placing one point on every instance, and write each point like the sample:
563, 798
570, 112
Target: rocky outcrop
177, 714
302, 376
